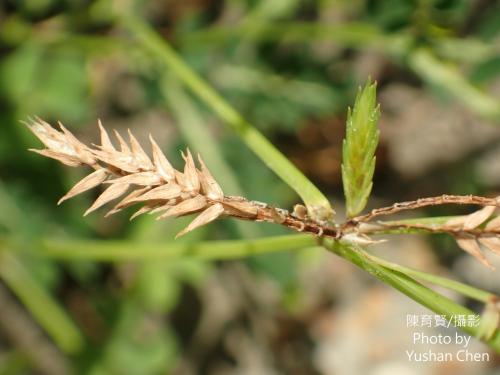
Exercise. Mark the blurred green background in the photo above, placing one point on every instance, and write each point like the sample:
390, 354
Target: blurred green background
291, 68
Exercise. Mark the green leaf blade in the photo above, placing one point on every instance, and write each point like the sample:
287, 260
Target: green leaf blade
358, 151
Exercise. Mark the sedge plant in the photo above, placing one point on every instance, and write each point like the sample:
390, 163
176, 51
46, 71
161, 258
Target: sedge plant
152, 183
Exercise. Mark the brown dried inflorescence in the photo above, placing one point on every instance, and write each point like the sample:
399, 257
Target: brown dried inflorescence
159, 188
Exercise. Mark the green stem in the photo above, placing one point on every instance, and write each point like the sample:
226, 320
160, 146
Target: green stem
117, 251
410, 287
317, 203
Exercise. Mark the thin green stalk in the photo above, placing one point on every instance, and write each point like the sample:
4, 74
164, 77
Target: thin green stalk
464, 289
317, 203
439, 304
42, 306
118, 251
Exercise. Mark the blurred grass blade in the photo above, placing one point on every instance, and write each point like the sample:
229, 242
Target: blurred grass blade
118, 251
358, 151
42, 306
317, 204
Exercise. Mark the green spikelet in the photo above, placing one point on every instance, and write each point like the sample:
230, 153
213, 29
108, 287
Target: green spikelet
358, 151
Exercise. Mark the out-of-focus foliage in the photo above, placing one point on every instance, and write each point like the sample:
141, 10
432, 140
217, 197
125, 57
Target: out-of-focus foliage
291, 67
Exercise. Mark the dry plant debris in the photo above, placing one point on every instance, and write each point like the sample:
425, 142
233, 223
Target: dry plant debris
133, 176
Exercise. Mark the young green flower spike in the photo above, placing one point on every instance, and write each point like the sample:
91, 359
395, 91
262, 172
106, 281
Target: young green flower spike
358, 151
